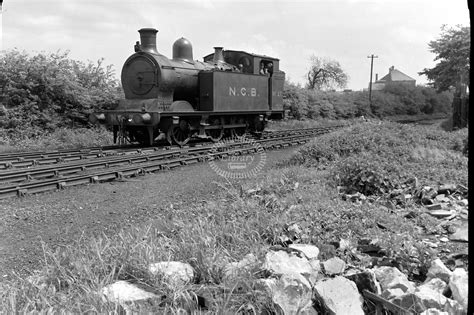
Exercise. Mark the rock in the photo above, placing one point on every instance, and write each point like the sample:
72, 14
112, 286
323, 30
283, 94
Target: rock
461, 234
338, 296
294, 231
174, 272
370, 247
409, 301
463, 202
438, 270
453, 307
461, 188
122, 291
434, 311
235, 270
440, 198
282, 262
447, 189
441, 213
435, 206
315, 273
444, 239
430, 298
411, 215
391, 278
334, 266
365, 280
435, 284
390, 294
310, 251
292, 293
430, 244
458, 283
425, 298
345, 244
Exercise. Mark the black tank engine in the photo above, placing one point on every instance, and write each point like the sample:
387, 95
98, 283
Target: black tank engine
228, 94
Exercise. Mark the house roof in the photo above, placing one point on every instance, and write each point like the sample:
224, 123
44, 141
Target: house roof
396, 75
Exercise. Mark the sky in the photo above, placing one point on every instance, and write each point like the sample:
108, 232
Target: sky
347, 31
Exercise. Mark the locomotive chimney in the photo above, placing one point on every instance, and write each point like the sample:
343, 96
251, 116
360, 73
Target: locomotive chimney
148, 40
218, 55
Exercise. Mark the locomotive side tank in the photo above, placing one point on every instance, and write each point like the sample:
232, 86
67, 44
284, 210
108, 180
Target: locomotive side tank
181, 98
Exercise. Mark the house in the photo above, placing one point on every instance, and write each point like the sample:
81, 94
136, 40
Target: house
394, 76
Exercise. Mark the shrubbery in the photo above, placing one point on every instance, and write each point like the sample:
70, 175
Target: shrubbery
373, 158
409, 100
394, 100
45, 91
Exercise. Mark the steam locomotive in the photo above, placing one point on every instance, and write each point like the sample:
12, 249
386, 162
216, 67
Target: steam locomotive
229, 93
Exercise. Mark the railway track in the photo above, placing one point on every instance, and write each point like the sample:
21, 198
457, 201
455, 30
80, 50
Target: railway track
39, 158
36, 172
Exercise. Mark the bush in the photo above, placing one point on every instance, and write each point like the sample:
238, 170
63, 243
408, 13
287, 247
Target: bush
394, 100
367, 174
49, 90
373, 158
295, 100
409, 100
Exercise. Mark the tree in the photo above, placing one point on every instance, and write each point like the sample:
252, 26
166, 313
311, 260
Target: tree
325, 74
452, 51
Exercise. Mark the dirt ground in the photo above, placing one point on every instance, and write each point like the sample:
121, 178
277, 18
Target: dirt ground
61, 217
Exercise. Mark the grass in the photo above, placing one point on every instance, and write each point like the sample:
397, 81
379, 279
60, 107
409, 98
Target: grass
249, 216
63, 138
298, 124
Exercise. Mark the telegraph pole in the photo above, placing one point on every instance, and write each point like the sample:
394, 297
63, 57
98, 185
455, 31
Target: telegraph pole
1, 25
370, 84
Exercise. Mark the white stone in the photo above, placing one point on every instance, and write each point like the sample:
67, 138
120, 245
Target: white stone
430, 298
173, 272
458, 283
334, 266
390, 294
236, 269
441, 213
461, 234
453, 307
281, 262
315, 272
434, 284
292, 292
434, 311
438, 270
424, 298
338, 296
365, 280
310, 251
391, 278
122, 291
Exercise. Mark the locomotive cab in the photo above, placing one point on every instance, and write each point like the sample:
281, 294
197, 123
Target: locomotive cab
252, 64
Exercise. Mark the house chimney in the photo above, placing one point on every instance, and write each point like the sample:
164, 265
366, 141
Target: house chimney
148, 40
391, 69
218, 55
376, 77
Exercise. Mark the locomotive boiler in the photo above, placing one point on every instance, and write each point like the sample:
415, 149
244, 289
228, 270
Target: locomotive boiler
229, 93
